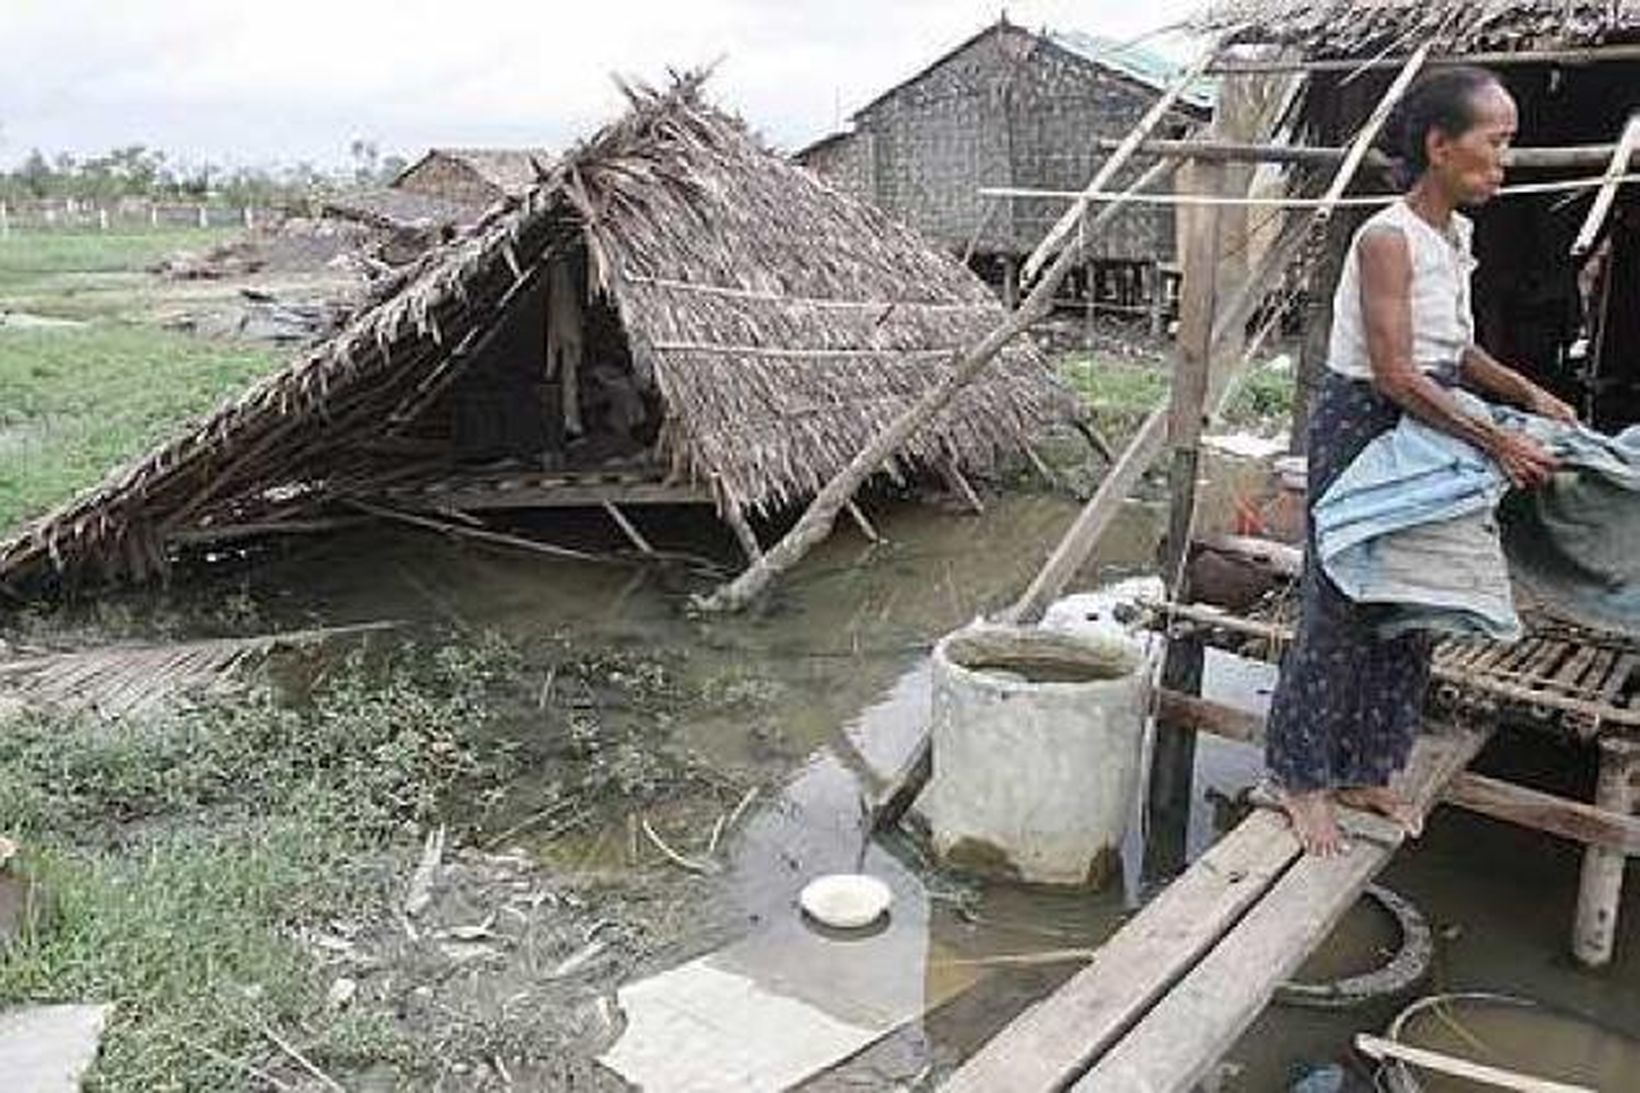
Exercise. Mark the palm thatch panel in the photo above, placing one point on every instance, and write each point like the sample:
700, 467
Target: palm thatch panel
1343, 28
782, 322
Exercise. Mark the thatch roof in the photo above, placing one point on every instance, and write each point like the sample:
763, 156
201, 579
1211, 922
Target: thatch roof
508, 170
386, 207
783, 322
1341, 28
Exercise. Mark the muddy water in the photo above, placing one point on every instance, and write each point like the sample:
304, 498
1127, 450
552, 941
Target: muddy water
840, 655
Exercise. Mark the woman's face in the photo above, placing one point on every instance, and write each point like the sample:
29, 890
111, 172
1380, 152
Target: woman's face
1470, 165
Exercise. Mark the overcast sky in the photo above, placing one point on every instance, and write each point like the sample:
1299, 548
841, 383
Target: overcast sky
239, 83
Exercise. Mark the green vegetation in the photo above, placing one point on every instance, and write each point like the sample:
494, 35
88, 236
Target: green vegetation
193, 861
1122, 393
182, 855
76, 402
34, 261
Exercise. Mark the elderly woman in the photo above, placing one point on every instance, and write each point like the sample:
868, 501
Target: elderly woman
1349, 702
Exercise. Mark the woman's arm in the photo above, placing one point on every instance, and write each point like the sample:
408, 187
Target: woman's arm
1386, 309
1484, 371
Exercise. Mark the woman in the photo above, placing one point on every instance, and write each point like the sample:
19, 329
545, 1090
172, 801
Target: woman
1349, 703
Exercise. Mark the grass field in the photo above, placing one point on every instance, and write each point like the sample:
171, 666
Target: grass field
76, 401
30, 260
1121, 393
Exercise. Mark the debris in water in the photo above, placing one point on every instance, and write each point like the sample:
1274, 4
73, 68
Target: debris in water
420, 892
846, 901
341, 993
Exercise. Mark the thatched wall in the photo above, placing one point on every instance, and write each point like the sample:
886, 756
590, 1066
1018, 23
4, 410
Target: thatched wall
783, 322
1008, 107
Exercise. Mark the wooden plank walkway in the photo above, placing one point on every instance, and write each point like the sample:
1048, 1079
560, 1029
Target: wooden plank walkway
1172, 990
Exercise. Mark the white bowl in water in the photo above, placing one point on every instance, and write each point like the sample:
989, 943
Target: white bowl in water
845, 901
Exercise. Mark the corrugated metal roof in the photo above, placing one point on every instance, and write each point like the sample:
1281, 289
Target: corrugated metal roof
1145, 65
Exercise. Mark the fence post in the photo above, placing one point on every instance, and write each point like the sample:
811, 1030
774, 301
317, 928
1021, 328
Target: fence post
204, 217
5, 221
250, 219
102, 217
153, 213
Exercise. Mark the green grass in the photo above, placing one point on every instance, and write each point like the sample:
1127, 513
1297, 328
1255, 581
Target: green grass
1122, 393
76, 402
183, 855
30, 260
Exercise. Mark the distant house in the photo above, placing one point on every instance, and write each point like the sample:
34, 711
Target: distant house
445, 190
474, 176
1011, 107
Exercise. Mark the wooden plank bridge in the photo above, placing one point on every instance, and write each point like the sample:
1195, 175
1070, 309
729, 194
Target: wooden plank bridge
1173, 989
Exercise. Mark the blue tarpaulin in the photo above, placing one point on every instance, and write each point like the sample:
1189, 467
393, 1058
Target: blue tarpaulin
1429, 524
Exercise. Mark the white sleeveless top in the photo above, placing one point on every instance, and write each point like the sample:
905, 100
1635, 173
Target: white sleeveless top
1442, 323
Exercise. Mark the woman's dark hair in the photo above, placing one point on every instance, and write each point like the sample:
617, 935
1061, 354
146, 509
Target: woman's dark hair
1444, 100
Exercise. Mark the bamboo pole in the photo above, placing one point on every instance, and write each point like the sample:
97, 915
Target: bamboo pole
1600, 889
817, 520
1541, 158
1608, 188
1352, 201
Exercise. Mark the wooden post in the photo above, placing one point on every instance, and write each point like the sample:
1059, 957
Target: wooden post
743, 531
102, 218
565, 340
1158, 299
628, 528
204, 217
250, 218
1594, 932
1173, 758
1317, 325
153, 214
5, 221
1010, 282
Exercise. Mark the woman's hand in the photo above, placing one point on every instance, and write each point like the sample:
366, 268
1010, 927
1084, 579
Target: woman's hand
1527, 463
1543, 404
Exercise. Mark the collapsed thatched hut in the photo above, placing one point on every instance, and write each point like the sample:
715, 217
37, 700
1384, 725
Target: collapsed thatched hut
1574, 68
674, 314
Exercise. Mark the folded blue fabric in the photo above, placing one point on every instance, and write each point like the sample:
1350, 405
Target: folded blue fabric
1428, 524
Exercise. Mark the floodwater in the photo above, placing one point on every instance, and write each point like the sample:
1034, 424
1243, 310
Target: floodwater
841, 648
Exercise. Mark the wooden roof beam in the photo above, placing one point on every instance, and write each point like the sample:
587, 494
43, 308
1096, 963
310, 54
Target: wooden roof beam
1541, 158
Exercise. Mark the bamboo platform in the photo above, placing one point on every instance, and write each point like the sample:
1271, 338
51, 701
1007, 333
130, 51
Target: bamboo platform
518, 489
1173, 989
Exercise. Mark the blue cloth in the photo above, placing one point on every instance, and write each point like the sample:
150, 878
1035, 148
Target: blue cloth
1349, 702
1428, 524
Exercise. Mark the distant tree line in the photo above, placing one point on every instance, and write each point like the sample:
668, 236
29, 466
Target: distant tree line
137, 171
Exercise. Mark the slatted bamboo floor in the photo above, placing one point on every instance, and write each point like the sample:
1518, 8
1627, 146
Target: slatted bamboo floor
1582, 681
521, 489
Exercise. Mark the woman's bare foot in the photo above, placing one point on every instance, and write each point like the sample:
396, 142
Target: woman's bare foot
1314, 821
1385, 802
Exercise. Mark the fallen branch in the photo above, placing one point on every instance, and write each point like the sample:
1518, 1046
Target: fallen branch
673, 856
420, 892
526, 823
301, 1060
740, 809
484, 535
1378, 1048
